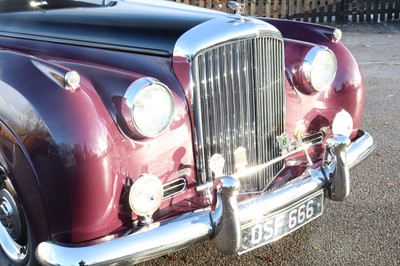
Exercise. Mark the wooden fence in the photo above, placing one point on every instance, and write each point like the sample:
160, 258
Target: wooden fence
322, 11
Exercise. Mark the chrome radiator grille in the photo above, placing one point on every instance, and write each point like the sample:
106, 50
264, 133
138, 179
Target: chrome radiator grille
239, 103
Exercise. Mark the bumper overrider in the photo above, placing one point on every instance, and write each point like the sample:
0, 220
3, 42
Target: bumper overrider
223, 225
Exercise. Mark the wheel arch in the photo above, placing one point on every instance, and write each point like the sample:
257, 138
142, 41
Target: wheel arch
17, 166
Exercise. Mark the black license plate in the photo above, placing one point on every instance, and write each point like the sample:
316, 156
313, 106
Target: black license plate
281, 223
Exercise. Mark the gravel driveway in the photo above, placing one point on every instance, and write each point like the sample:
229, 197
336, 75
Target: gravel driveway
365, 229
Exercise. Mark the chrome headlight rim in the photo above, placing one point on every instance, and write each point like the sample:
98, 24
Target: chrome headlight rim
310, 66
129, 104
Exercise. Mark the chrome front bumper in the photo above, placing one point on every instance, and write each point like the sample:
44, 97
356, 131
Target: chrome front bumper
223, 225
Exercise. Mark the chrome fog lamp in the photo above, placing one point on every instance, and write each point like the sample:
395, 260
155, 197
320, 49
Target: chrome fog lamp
342, 124
320, 67
146, 195
148, 107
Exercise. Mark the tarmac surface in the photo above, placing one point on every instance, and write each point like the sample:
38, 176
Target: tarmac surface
365, 228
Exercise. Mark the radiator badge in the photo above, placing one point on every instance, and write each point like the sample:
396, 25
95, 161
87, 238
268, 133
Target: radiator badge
284, 142
240, 159
216, 164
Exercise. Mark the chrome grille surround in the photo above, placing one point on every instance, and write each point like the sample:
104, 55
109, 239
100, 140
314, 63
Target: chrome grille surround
238, 98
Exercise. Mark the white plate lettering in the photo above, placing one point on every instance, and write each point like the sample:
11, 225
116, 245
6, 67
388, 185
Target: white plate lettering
279, 224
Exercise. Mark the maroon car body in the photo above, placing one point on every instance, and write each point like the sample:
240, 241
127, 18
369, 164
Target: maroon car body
69, 156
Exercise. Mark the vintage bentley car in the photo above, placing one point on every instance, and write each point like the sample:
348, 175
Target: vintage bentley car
132, 129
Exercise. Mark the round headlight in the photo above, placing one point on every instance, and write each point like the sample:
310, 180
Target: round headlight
320, 67
148, 107
146, 195
342, 124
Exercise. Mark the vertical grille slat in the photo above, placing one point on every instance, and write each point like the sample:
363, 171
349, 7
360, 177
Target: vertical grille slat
240, 92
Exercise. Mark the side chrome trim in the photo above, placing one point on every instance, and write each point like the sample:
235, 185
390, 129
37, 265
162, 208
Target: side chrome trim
162, 238
104, 46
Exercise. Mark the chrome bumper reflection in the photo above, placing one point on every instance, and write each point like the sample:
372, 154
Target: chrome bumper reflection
222, 225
